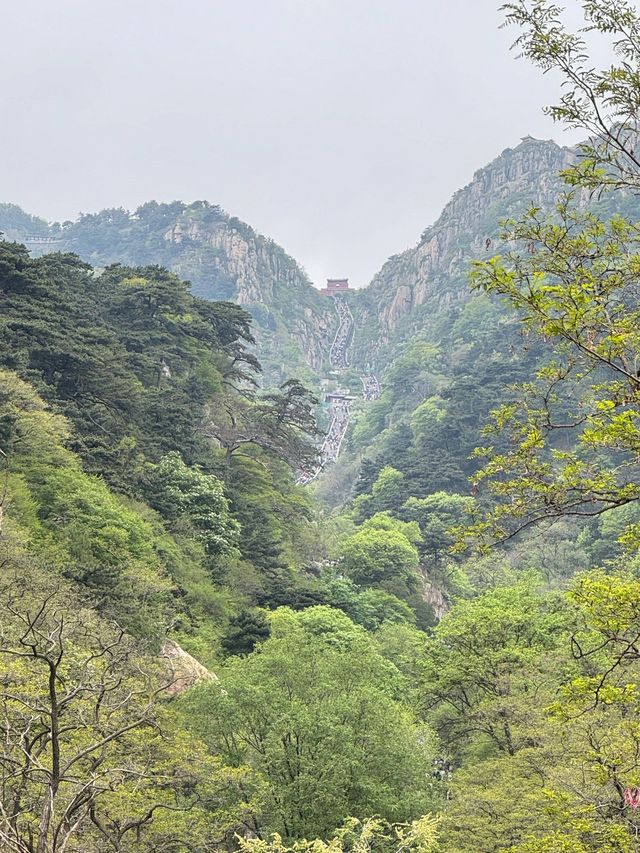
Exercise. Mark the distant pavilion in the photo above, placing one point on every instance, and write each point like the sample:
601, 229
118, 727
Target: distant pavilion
335, 286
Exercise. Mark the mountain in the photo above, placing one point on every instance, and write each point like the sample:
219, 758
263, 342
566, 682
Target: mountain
419, 283
442, 354
222, 257
416, 325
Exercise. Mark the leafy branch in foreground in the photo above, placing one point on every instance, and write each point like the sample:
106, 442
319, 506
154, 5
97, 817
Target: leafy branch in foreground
419, 836
569, 443
603, 102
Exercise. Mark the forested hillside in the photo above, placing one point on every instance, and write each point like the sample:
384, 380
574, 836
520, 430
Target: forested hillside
222, 629
221, 256
445, 356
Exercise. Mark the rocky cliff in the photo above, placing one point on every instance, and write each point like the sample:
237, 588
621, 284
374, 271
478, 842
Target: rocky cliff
257, 273
183, 670
433, 274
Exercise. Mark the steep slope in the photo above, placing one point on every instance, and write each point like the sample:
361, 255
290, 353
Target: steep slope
413, 287
443, 356
222, 257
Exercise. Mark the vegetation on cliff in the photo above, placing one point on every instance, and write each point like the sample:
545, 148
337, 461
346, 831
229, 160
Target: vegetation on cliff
222, 257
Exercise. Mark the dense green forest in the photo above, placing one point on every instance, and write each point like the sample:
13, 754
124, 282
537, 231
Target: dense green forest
435, 647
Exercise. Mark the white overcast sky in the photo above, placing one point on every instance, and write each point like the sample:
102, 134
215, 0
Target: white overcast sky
338, 127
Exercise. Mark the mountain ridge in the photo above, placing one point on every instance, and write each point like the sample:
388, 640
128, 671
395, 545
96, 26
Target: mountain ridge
433, 273
224, 258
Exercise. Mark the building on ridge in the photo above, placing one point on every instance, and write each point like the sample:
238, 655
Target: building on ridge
335, 286
338, 397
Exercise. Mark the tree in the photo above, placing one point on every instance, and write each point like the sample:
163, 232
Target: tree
246, 630
437, 515
575, 429
573, 432
563, 785
368, 607
381, 552
366, 476
358, 836
280, 422
602, 102
315, 710
484, 654
388, 490
73, 521
86, 761
187, 495
428, 418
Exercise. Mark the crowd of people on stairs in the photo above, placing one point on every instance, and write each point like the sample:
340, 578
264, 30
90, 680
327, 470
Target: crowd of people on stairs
339, 424
339, 353
370, 387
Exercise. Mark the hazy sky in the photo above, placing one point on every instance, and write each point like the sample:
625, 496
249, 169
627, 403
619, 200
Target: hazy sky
338, 127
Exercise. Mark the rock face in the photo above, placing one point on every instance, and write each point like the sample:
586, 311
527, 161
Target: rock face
260, 276
256, 269
434, 597
434, 272
183, 669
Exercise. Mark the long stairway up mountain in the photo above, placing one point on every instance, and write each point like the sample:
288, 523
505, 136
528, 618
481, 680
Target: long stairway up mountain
370, 387
339, 401
339, 353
